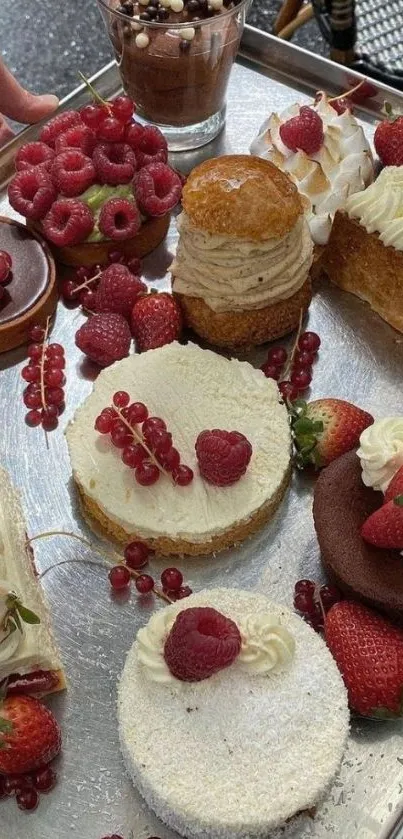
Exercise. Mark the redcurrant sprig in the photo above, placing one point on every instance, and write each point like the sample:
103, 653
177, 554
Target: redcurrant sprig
44, 394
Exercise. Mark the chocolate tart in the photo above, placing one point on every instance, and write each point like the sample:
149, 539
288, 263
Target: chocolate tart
151, 234
31, 295
341, 504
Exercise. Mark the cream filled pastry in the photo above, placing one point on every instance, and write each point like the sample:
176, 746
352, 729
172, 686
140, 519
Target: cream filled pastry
241, 270
342, 166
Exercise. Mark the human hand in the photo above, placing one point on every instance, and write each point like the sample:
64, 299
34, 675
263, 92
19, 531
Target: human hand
17, 103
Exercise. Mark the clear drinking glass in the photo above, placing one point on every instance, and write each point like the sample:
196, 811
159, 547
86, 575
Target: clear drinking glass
177, 73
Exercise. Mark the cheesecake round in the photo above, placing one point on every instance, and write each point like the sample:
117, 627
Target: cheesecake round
341, 504
255, 744
191, 390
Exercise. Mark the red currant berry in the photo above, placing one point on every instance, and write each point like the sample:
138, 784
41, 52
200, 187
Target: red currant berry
303, 358
31, 373
162, 443
183, 591
116, 256
34, 352
303, 602
171, 579
49, 418
33, 418
69, 291
54, 349
54, 377
11, 783
133, 455
123, 109
301, 378
277, 356
134, 265
32, 396
309, 341
183, 475
329, 595
136, 555
121, 399
171, 460
147, 474
44, 779
119, 577
88, 300
137, 413
111, 129
271, 371
144, 584
152, 424
304, 587
54, 396
27, 799
288, 391
121, 436
103, 423
36, 333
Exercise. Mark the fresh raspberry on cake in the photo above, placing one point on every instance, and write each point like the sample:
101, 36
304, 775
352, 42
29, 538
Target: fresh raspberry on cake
223, 456
68, 222
156, 320
77, 137
73, 172
32, 193
58, 125
201, 642
105, 338
151, 146
133, 135
33, 154
29, 735
157, 189
119, 219
303, 132
115, 163
388, 141
118, 290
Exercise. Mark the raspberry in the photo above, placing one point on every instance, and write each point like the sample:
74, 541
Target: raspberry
157, 189
223, 456
156, 320
152, 146
58, 125
118, 290
115, 163
201, 642
134, 134
33, 154
77, 137
119, 219
68, 222
32, 193
303, 132
105, 338
73, 172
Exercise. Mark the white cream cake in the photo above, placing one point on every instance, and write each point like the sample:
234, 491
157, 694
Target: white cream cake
192, 390
33, 649
237, 755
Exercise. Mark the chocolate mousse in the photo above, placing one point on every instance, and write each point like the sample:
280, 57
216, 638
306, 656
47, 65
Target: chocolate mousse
341, 505
176, 76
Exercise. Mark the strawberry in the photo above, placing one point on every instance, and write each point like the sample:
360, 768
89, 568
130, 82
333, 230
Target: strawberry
395, 487
384, 527
325, 429
156, 320
368, 650
388, 139
29, 735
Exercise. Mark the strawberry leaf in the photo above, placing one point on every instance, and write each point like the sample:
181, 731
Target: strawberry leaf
398, 500
26, 614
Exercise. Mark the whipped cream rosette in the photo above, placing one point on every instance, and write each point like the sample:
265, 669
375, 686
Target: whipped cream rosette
380, 208
342, 166
381, 452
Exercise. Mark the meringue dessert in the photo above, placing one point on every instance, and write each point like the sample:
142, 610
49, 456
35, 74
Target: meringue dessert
365, 250
29, 658
241, 271
341, 167
191, 390
260, 735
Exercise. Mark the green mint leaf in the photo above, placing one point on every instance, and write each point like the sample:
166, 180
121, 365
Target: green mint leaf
26, 614
398, 500
17, 620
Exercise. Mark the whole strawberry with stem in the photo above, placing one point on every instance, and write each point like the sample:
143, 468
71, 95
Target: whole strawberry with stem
156, 321
368, 650
384, 527
388, 139
29, 735
325, 429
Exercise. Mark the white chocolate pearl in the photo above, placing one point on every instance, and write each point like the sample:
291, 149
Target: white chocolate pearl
136, 25
187, 34
144, 2
142, 40
216, 4
177, 5
166, 4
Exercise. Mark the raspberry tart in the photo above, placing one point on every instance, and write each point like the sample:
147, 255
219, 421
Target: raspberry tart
29, 658
94, 181
28, 291
258, 708
190, 395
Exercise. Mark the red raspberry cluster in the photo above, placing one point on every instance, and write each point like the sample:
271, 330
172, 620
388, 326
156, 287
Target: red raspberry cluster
26, 788
149, 450
298, 367
313, 602
136, 556
100, 144
44, 394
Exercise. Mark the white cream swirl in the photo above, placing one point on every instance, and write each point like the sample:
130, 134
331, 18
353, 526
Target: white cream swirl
342, 166
9, 643
267, 647
150, 646
380, 208
381, 452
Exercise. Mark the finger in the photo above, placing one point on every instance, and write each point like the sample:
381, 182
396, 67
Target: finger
5, 132
18, 104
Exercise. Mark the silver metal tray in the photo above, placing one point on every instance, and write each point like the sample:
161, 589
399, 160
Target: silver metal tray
361, 359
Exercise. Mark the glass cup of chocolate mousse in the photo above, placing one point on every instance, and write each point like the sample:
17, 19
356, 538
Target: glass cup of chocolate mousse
175, 59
